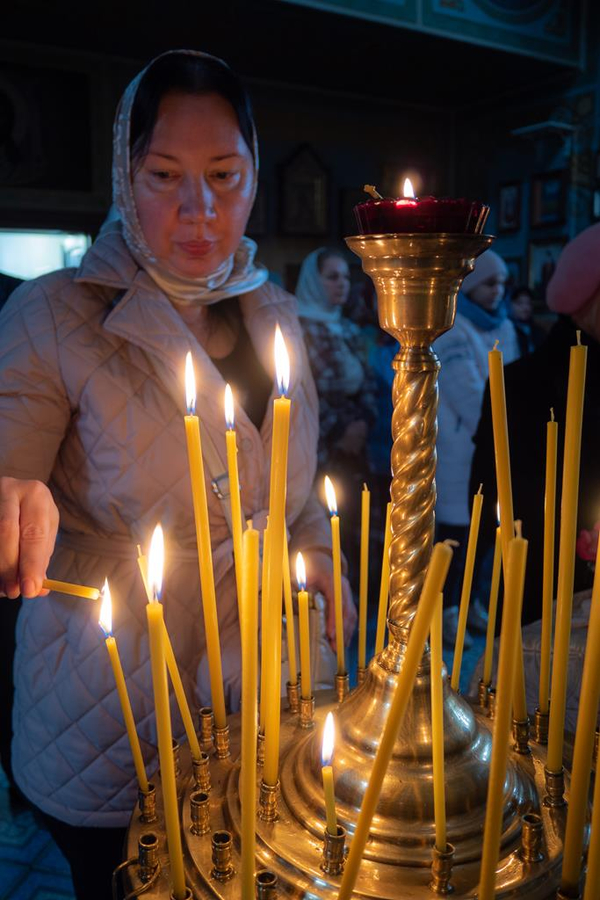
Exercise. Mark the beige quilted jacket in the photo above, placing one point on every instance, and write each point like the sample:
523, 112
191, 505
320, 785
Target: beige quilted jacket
92, 402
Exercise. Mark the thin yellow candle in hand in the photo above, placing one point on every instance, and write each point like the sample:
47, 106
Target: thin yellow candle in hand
234, 488
432, 587
511, 624
327, 770
75, 590
566, 559
364, 577
289, 613
465, 596
384, 585
548, 576
303, 624
437, 728
278, 486
249, 627
264, 630
207, 579
156, 630
492, 610
105, 623
337, 575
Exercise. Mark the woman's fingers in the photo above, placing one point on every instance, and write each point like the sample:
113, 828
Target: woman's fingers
9, 538
28, 526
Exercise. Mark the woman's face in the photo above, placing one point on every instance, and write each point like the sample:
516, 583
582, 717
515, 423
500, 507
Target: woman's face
193, 189
335, 276
522, 307
489, 293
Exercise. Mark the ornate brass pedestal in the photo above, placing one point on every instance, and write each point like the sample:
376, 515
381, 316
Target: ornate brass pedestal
417, 278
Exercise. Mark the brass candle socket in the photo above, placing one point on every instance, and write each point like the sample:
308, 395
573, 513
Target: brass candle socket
441, 869
483, 691
221, 742
260, 748
147, 804
147, 856
201, 772
266, 886
555, 788
334, 846
267, 801
222, 856
307, 712
342, 686
492, 703
361, 674
541, 723
532, 836
187, 896
293, 696
521, 736
200, 812
207, 723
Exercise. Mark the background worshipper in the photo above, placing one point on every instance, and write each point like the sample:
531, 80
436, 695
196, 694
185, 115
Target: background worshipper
529, 333
338, 358
481, 320
93, 444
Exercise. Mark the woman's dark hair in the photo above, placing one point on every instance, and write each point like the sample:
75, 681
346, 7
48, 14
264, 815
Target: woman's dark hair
522, 289
186, 74
328, 253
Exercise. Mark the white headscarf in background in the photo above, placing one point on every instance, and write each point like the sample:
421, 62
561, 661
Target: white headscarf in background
238, 274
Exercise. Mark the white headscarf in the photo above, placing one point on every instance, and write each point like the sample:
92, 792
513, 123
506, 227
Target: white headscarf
236, 275
313, 302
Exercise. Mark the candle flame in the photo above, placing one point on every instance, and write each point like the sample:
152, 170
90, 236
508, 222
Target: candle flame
300, 572
190, 385
156, 561
105, 620
229, 414
328, 740
330, 495
282, 363
408, 190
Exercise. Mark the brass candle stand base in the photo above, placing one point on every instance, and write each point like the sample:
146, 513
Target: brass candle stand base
207, 723
222, 856
555, 788
521, 736
441, 869
361, 673
483, 693
221, 741
293, 696
148, 856
307, 712
200, 812
541, 724
266, 886
147, 804
267, 801
201, 772
342, 686
334, 846
532, 838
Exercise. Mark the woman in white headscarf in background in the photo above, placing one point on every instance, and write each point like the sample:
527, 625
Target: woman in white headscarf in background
93, 445
338, 358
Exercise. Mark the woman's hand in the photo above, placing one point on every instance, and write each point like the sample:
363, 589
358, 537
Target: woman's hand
28, 526
319, 576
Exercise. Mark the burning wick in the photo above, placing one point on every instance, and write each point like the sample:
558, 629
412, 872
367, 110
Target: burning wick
372, 191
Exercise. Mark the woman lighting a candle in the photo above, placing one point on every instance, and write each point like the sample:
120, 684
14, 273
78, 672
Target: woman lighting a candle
93, 434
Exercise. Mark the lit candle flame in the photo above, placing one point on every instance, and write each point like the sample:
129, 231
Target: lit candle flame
190, 385
330, 495
300, 572
408, 189
229, 414
156, 560
328, 740
282, 363
105, 620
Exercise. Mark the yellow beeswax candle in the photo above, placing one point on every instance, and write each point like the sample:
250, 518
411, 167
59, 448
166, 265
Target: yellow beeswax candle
492, 610
75, 590
105, 623
433, 585
548, 576
566, 557
249, 626
384, 584
184, 709
365, 506
327, 770
511, 619
592, 879
303, 624
505, 501
337, 575
156, 631
289, 613
207, 580
264, 630
278, 484
465, 597
583, 752
437, 728
234, 488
